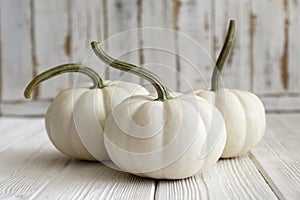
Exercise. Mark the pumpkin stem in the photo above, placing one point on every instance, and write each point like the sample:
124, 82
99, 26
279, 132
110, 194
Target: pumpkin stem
71, 67
223, 56
162, 91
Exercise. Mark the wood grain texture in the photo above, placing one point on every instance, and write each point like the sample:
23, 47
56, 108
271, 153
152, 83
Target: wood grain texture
294, 46
12, 130
237, 69
36, 34
88, 180
32, 169
158, 41
195, 44
230, 179
52, 42
28, 163
16, 58
122, 41
281, 103
25, 108
86, 25
268, 46
278, 156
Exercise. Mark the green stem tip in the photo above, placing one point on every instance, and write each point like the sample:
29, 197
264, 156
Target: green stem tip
162, 91
223, 56
71, 67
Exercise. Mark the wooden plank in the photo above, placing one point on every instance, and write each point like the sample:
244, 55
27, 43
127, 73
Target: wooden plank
281, 103
87, 23
237, 69
278, 156
91, 180
294, 46
268, 46
158, 41
235, 178
122, 42
28, 165
52, 42
25, 108
195, 45
14, 130
15, 48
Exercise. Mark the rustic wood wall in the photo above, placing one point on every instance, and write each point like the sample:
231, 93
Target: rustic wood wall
37, 34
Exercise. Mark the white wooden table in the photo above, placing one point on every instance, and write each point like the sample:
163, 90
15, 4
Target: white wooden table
31, 168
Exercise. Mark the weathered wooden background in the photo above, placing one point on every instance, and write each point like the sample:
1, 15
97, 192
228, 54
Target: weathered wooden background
37, 34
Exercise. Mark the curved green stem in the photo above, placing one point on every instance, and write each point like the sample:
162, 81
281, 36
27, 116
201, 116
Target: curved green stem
71, 67
223, 56
162, 91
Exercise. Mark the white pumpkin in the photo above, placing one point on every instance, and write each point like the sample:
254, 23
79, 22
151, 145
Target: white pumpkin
244, 116
164, 137
75, 119
243, 111
170, 139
